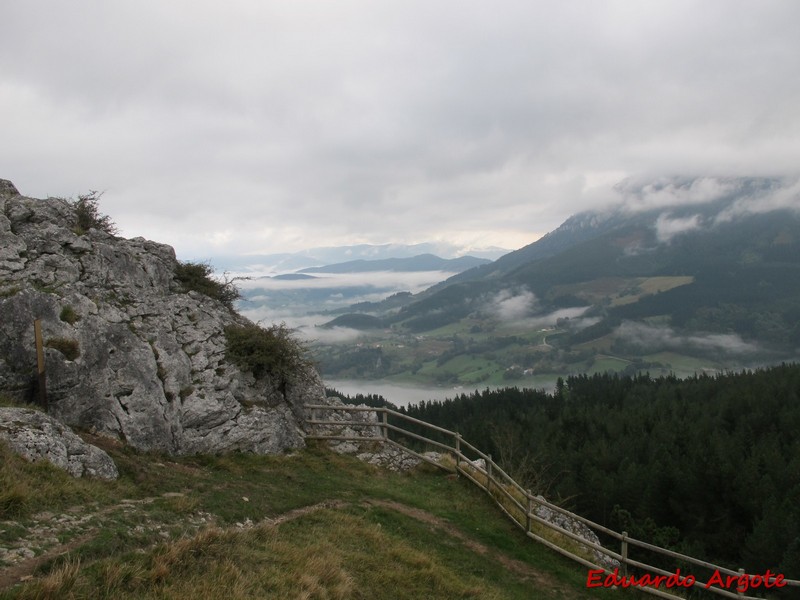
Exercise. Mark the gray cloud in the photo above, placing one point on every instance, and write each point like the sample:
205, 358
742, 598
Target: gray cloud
509, 305
414, 281
786, 197
550, 319
638, 194
275, 126
306, 315
305, 326
667, 227
521, 307
654, 339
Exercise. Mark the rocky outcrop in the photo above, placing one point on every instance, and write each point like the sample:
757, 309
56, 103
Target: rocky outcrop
36, 436
130, 352
576, 527
365, 441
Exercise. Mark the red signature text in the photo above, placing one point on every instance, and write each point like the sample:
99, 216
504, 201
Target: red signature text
740, 583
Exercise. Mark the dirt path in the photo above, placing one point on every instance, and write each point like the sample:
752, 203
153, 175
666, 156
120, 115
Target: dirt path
522, 570
25, 569
47, 525
299, 512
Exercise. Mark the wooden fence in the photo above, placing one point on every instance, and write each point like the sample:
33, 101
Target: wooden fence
337, 423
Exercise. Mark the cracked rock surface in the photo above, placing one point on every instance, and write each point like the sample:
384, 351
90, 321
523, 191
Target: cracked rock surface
36, 436
131, 354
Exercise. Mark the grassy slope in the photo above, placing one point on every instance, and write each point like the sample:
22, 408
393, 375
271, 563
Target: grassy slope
310, 525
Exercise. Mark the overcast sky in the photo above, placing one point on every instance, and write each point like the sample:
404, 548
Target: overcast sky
277, 125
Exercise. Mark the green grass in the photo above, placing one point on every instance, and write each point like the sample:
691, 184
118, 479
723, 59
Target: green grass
607, 363
68, 315
681, 364
26, 487
202, 527
464, 368
9, 402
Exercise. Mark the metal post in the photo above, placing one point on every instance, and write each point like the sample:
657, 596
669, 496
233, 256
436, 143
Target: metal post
624, 553
37, 334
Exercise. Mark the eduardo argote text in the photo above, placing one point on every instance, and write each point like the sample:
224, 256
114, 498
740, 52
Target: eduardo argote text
740, 583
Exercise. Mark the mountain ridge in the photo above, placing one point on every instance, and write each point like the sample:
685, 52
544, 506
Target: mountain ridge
420, 262
661, 241
328, 255
699, 273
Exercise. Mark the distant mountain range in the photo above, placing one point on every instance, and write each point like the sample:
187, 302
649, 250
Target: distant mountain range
706, 269
324, 256
729, 265
422, 262
332, 287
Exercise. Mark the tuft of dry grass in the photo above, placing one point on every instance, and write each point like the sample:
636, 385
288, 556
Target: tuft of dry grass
68, 347
56, 585
115, 577
183, 504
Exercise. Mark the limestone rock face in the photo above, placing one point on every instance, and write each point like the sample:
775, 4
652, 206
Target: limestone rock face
130, 353
36, 436
578, 528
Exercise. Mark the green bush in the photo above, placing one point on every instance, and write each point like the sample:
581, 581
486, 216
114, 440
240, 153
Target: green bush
198, 277
263, 351
89, 216
68, 315
69, 348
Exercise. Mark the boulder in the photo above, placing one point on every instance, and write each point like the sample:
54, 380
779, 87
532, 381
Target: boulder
575, 527
36, 436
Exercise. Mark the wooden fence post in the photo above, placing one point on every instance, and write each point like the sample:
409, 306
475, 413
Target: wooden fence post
458, 450
624, 553
529, 496
37, 334
741, 574
385, 421
489, 473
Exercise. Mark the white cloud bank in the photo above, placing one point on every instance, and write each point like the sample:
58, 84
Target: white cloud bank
508, 305
654, 339
667, 228
413, 282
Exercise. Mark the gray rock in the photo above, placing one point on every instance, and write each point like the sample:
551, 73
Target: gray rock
365, 426
36, 436
7, 188
148, 360
578, 528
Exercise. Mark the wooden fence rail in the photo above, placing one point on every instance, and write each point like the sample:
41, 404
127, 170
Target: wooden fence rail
520, 505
